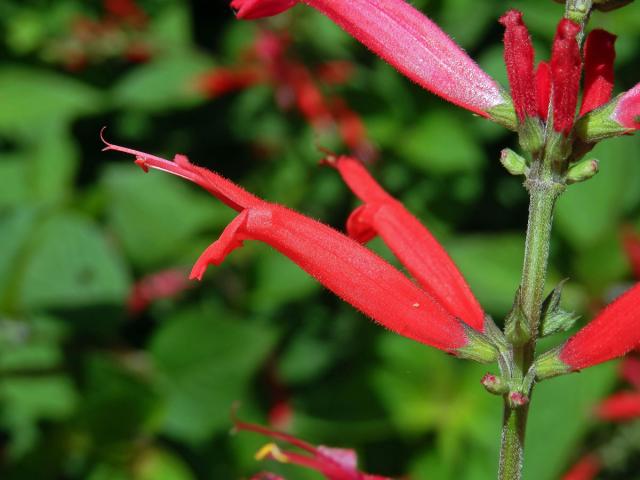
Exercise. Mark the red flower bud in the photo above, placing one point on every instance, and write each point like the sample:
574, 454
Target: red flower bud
518, 56
566, 66
409, 240
599, 55
543, 89
348, 269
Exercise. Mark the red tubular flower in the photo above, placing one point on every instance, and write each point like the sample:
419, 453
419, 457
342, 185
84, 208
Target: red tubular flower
409, 240
599, 55
612, 334
586, 469
627, 109
333, 463
348, 269
518, 56
406, 39
543, 89
566, 66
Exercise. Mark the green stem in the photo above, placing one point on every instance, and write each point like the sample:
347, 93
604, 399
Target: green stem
543, 191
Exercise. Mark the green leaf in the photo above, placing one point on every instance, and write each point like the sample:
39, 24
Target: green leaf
71, 265
155, 216
30, 96
206, 360
166, 83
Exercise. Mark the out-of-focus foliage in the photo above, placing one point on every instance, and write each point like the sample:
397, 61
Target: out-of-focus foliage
89, 390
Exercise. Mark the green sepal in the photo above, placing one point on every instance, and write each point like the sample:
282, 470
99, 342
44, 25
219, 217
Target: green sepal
549, 365
531, 135
598, 124
517, 326
554, 319
582, 171
504, 114
479, 347
514, 163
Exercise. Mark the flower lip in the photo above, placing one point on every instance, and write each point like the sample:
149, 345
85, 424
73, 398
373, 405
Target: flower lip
252, 9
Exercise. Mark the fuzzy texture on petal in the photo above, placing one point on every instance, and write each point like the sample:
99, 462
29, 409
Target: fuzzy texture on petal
252, 9
612, 334
417, 47
620, 407
409, 240
345, 267
627, 110
586, 469
333, 463
543, 89
599, 55
518, 56
566, 67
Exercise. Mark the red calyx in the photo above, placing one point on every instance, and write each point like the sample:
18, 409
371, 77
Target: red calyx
566, 67
599, 55
518, 56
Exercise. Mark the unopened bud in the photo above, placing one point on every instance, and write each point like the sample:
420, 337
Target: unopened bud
582, 171
514, 163
518, 399
494, 384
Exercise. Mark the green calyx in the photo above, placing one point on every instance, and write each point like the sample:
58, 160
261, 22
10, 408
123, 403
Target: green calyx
504, 114
549, 365
517, 327
554, 319
598, 124
478, 347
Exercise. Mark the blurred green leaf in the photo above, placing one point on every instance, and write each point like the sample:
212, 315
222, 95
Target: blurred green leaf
29, 97
206, 360
70, 265
589, 211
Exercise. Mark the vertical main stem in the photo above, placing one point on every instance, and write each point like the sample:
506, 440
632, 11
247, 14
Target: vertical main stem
543, 194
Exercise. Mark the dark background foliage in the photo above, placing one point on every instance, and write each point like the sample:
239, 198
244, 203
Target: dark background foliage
90, 390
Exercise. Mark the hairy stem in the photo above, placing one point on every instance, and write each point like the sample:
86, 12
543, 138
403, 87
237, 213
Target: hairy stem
544, 191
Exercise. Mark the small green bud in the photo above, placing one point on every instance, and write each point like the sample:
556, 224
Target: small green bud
517, 399
494, 384
582, 171
514, 163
